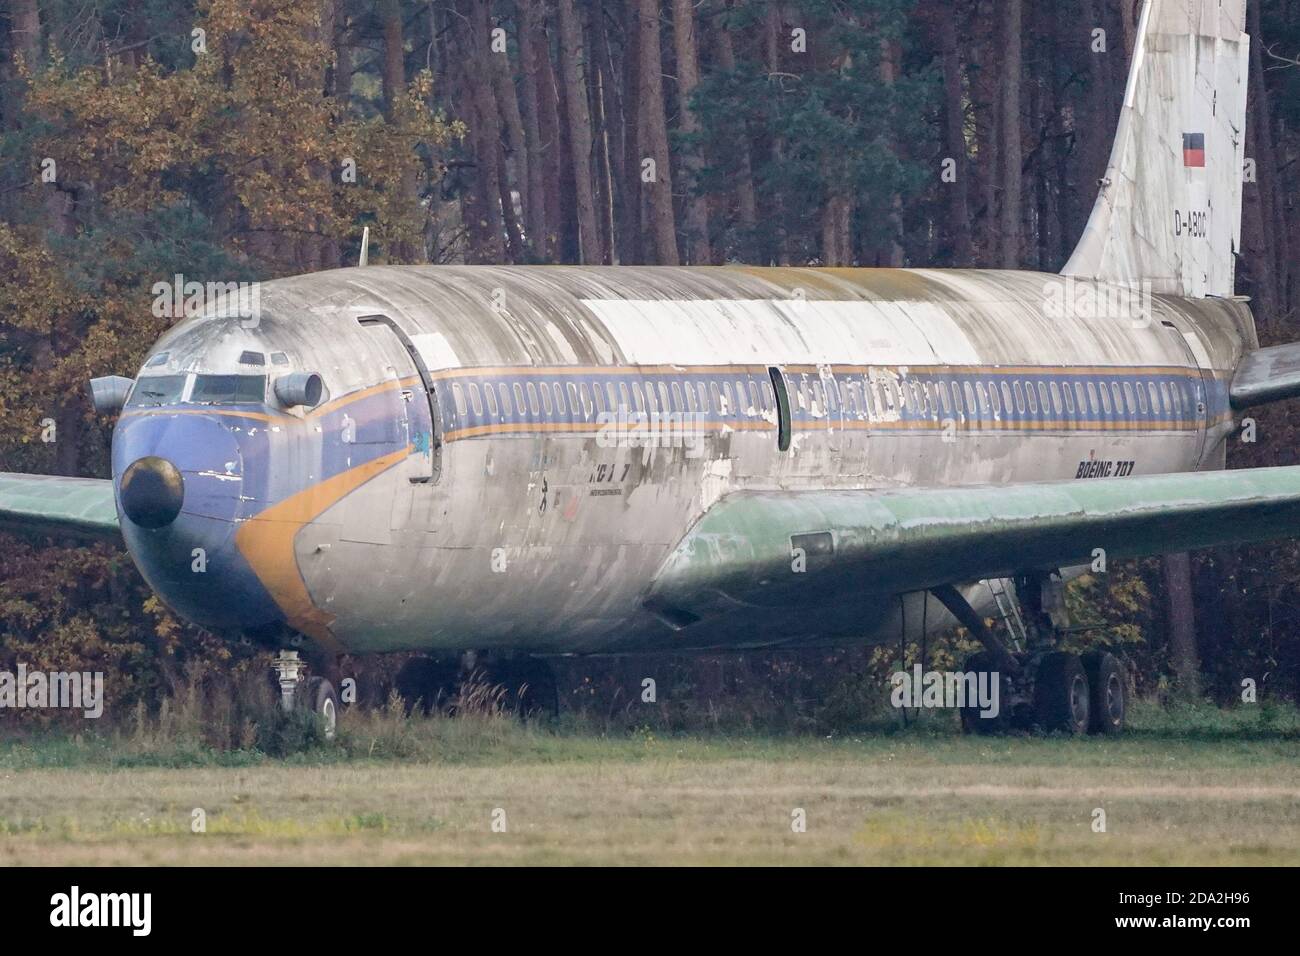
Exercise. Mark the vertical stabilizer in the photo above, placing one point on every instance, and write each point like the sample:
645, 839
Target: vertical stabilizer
1169, 210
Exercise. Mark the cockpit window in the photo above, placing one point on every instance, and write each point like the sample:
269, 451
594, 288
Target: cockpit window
157, 390
159, 359
252, 358
229, 389
279, 358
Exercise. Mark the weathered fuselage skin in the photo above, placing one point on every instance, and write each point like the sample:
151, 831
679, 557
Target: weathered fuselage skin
379, 522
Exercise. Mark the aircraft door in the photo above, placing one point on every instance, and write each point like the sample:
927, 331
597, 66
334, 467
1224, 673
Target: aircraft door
418, 417
1199, 385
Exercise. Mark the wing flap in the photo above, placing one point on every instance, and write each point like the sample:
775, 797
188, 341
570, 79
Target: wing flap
56, 505
894, 541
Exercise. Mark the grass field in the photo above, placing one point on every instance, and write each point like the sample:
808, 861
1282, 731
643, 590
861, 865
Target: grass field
1193, 787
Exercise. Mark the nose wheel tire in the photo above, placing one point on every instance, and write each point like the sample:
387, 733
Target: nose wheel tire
1062, 701
1108, 700
319, 696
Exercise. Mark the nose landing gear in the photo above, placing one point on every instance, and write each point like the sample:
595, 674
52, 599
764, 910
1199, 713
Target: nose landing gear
315, 695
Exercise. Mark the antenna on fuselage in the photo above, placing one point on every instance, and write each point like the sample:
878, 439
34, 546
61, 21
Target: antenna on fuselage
365, 246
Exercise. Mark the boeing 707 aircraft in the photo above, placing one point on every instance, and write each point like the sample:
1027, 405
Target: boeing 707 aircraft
546, 460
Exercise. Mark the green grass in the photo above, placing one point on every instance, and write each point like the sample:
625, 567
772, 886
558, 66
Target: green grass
1187, 785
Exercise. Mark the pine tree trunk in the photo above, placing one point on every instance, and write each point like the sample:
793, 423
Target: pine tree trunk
746, 203
655, 127
530, 25
688, 78
1012, 152
772, 52
954, 120
579, 126
394, 86
604, 100
552, 138
1183, 658
630, 234
517, 161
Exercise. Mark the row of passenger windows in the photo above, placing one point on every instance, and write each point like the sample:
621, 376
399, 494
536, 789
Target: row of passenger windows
583, 402
1090, 400
855, 396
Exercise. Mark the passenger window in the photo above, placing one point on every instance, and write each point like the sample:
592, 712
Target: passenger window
520, 410
533, 406
490, 394
475, 401
560, 410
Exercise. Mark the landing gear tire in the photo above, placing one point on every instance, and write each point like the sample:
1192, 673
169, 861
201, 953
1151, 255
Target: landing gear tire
972, 722
1108, 701
319, 696
1061, 697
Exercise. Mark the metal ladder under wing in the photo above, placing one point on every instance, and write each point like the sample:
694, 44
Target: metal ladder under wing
1009, 611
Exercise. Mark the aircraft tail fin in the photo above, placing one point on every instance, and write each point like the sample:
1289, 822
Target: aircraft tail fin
1169, 210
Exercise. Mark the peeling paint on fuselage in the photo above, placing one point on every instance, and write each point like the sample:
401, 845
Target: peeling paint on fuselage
546, 538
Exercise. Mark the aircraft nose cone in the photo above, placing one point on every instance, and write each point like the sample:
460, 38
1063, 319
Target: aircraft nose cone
152, 491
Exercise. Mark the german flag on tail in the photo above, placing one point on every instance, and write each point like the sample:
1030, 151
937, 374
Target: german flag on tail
1194, 150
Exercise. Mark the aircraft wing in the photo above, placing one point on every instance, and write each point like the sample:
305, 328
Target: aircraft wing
1267, 375
57, 505
743, 550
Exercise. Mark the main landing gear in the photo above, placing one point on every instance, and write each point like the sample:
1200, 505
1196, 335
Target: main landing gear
1039, 685
300, 692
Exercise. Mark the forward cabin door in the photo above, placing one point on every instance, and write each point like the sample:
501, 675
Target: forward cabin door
413, 509
418, 411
